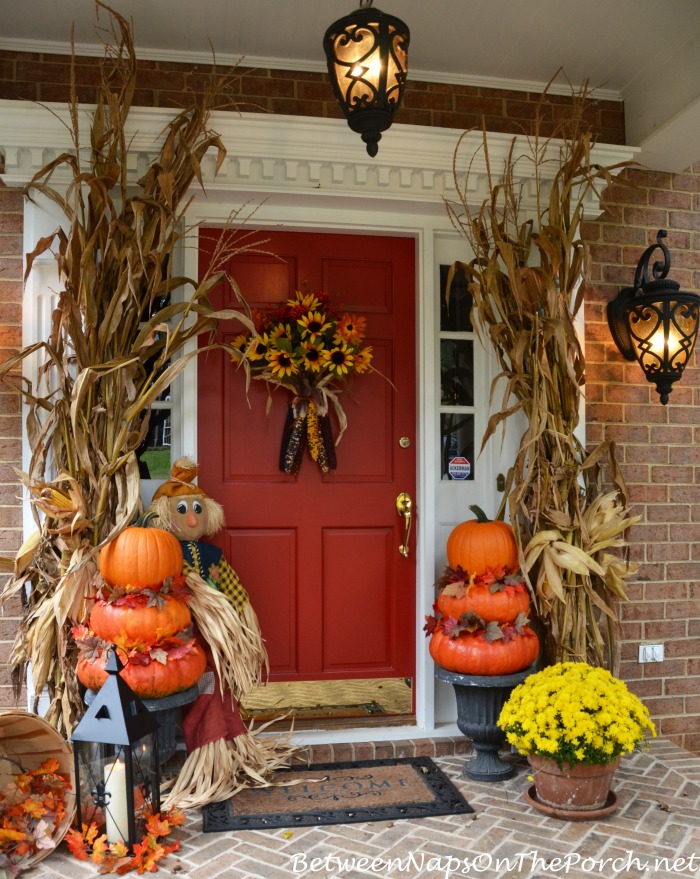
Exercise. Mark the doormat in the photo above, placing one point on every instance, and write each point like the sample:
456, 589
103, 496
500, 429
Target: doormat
341, 793
356, 709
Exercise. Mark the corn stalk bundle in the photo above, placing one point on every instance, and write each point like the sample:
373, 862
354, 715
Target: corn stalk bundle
118, 335
528, 280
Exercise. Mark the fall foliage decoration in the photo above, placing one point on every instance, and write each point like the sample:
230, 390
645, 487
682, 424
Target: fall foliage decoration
528, 276
479, 624
32, 806
89, 843
118, 338
148, 625
307, 346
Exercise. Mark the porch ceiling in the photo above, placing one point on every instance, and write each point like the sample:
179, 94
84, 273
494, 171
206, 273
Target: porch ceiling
641, 51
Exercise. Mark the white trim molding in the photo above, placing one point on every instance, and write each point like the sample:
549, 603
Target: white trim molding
292, 154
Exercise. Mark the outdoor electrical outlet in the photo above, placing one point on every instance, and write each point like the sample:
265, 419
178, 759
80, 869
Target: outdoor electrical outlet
651, 652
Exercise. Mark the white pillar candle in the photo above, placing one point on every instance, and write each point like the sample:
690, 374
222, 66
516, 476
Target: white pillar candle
116, 811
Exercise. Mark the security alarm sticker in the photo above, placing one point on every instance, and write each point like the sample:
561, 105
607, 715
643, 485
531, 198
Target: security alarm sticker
459, 468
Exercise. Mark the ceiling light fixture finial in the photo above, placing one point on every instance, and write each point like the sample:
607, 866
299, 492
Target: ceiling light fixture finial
367, 54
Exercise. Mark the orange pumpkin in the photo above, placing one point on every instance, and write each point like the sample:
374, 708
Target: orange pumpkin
503, 606
480, 543
471, 654
141, 557
121, 624
152, 681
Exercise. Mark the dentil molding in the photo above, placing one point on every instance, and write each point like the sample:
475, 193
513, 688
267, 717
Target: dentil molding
269, 154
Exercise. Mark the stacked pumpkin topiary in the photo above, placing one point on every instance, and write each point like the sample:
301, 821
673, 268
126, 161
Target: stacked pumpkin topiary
142, 610
480, 624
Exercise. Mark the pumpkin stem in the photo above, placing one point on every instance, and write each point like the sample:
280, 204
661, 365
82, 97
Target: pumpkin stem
145, 520
479, 513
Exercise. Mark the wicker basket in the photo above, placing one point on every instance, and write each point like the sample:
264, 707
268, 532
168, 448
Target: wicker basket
29, 740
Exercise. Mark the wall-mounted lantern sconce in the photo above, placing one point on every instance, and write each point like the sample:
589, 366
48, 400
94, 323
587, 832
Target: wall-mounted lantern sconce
655, 321
367, 53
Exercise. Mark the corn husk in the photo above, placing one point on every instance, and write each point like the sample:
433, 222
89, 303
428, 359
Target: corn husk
528, 280
121, 332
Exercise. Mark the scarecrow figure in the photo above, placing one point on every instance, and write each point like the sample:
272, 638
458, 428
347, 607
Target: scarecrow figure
223, 756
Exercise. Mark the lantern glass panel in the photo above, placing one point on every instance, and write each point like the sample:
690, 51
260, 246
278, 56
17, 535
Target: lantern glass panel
114, 781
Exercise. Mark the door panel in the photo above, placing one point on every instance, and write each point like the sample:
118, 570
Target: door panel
319, 552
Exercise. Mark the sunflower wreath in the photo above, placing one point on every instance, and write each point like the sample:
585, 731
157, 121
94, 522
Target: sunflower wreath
309, 347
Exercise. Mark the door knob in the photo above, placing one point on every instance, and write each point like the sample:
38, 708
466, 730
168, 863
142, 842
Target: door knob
404, 507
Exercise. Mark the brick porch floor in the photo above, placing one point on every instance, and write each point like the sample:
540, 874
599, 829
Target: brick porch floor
658, 818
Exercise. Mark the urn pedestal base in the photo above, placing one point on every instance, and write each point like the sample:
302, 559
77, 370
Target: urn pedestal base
480, 699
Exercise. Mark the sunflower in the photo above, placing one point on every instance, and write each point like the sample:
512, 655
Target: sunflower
338, 360
239, 344
350, 329
313, 324
313, 356
307, 300
362, 360
259, 347
281, 364
280, 331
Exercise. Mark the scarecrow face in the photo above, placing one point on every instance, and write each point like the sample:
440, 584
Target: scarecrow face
190, 516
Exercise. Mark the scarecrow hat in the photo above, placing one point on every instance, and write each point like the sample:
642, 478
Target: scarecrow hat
182, 475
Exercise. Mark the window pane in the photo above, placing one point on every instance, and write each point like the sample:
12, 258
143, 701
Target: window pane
457, 446
456, 372
456, 317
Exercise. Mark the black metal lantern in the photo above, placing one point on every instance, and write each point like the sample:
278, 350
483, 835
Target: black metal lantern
115, 748
655, 321
367, 54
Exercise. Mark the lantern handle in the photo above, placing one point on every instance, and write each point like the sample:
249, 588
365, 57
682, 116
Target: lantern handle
659, 270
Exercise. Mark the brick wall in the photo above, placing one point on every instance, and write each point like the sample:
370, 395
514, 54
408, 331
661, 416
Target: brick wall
11, 220
36, 77
659, 446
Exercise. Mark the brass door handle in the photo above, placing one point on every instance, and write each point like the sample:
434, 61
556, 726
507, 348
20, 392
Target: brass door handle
404, 507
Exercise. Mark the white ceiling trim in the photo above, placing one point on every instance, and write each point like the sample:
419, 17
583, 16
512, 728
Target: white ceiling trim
91, 50
275, 154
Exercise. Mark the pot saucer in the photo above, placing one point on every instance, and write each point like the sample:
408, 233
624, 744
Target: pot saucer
572, 814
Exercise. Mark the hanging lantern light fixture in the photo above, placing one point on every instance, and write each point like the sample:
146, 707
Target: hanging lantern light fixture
655, 322
367, 53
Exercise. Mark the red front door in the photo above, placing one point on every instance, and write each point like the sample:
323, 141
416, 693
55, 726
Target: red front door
319, 553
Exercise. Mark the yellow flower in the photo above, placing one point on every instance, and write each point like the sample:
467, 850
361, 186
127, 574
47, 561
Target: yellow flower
313, 325
240, 343
338, 360
281, 364
258, 350
313, 356
362, 360
350, 329
308, 300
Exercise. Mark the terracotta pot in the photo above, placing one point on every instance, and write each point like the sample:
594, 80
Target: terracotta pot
581, 787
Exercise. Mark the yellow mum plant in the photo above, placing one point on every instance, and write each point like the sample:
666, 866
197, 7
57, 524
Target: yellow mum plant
574, 713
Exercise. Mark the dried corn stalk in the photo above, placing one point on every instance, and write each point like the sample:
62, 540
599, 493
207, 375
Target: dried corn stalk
114, 347
528, 280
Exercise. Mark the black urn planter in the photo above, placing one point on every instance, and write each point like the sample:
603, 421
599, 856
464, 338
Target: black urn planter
480, 699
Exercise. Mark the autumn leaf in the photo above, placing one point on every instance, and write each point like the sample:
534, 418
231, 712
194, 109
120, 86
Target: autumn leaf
155, 599
456, 589
430, 625
99, 849
8, 835
451, 626
493, 632
33, 808
471, 621
157, 826
159, 655
77, 844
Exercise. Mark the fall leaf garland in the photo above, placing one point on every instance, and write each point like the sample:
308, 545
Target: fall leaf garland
88, 844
